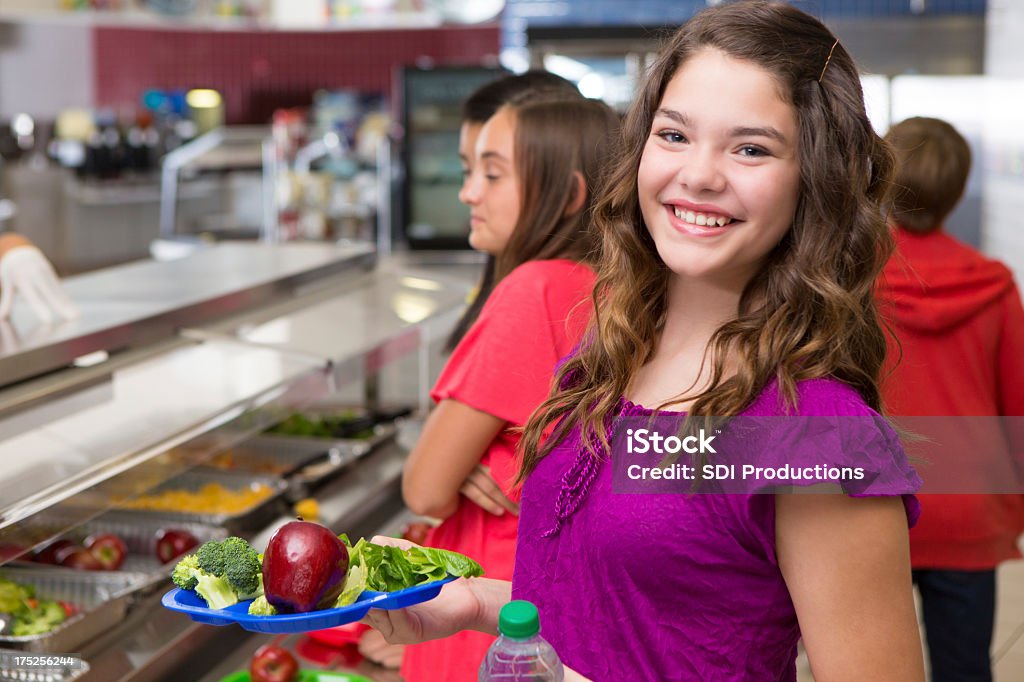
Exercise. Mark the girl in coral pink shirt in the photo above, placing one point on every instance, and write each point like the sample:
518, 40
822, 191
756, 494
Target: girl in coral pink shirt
528, 189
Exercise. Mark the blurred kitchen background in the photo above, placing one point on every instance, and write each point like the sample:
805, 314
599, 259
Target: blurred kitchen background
131, 127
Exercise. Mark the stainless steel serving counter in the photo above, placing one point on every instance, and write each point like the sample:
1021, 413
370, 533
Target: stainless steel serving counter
214, 346
139, 303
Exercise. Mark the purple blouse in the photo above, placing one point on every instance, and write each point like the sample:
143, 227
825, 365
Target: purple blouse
669, 586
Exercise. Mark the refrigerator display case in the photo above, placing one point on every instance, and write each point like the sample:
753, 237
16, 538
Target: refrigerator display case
432, 217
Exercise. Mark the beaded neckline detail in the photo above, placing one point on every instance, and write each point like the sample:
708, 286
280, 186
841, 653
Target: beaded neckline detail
579, 477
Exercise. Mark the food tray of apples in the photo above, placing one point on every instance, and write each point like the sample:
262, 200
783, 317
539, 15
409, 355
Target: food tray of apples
237, 502
307, 579
121, 541
98, 601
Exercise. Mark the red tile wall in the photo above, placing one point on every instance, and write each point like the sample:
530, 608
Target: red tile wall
258, 72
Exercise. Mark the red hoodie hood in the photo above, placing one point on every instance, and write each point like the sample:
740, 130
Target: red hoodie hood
933, 282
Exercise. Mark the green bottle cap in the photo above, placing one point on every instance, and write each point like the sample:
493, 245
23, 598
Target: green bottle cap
519, 620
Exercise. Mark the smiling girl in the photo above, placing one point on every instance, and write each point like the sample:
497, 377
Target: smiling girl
742, 233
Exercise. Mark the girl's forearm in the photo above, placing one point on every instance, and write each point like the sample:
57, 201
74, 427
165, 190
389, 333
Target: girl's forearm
439, 463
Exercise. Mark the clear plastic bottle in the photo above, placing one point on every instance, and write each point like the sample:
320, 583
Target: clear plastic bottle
520, 653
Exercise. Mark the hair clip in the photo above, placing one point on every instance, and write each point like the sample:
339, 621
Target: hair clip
828, 59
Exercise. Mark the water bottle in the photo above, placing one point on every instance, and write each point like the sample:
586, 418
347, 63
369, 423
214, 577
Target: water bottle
520, 653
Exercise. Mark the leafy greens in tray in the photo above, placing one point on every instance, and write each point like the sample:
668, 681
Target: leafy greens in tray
388, 569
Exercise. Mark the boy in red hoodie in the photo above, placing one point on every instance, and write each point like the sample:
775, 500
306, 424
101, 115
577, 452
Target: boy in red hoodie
958, 351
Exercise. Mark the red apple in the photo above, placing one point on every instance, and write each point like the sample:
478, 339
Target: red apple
171, 543
272, 663
108, 549
80, 558
48, 554
11, 552
416, 531
304, 567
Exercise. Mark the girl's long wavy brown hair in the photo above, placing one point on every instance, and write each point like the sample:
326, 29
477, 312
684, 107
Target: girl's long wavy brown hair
809, 311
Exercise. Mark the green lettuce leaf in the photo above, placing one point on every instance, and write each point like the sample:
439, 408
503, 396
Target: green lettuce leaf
355, 584
452, 562
389, 569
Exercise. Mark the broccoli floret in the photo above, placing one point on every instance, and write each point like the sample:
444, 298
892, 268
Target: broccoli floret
211, 558
235, 544
50, 612
43, 617
31, 628
217, 592
184, 575
261, 607
13, 596
222, 573
243, 568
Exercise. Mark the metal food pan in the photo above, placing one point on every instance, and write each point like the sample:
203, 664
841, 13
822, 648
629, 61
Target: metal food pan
381, 422
241, 522
354, 420
11, 671
101, 596
139, 534
266, 457
346, 447
334, 455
